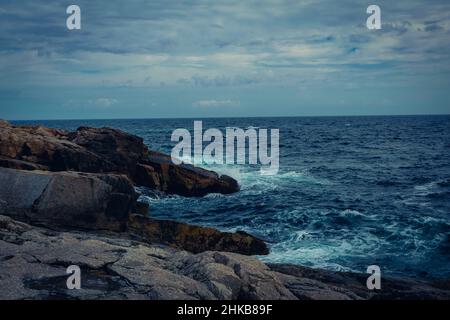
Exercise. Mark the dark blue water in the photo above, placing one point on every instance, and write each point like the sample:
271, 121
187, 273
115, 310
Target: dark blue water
351, 191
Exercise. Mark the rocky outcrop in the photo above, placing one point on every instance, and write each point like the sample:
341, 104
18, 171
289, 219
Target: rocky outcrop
194, 238
104, 150
33, 264
307, 283
158, 172
122, 151
105, 202
67, 199
47, 148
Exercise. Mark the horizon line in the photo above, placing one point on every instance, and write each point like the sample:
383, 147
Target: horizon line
234, 117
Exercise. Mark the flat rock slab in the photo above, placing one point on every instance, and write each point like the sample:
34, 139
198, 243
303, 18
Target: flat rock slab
33, 264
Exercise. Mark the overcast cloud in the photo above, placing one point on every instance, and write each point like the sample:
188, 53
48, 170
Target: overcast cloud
219, 58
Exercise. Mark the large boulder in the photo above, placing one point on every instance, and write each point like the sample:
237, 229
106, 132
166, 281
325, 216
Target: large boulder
67, 199
104, 150
157, 171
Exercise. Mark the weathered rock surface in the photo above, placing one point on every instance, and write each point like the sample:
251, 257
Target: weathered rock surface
48, 148
33, 264
67, 199
121, 150
104, 150
194, 238
105, 202
307, 283
158, 172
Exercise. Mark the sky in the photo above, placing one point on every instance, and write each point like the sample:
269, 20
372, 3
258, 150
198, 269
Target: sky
223, 58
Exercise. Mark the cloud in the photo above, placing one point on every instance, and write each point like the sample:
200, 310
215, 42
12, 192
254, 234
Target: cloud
221, 48
213, 44
103, 102
220, 80
215, 103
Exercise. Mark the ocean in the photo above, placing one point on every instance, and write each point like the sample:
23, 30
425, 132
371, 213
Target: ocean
351, 191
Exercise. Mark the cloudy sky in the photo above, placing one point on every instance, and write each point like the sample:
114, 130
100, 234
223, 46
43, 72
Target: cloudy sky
198, 58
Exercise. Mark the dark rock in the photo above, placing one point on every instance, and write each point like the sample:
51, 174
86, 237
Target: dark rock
194, 238
124, 151
47, 148
67, 199
20, 165
303, 282
147, 176
141, 208
104, 150
186, 180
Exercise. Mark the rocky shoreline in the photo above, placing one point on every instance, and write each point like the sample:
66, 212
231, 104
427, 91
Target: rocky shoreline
33, 262
68, 198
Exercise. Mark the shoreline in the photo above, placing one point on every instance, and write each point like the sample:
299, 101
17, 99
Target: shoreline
113, 267
68, 198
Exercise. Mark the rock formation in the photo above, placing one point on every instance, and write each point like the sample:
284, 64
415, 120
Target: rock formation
105, 202
33, 264
105, 150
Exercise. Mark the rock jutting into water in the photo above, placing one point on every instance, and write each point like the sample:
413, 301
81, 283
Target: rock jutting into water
105, 202
105, 150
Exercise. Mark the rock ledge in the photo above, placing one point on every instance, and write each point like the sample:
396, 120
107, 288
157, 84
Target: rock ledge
33, 264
